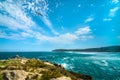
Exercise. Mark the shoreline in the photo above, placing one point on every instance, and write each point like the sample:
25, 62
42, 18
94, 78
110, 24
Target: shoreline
36, 69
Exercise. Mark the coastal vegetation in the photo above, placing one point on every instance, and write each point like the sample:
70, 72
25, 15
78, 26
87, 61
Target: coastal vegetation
34, 69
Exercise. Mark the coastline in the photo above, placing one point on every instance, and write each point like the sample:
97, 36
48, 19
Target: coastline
36, 69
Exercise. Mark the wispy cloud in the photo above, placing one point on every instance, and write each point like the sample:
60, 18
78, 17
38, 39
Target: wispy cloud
107, 19
86, 37
113, 11
115, 1
14, 17
41, 7
21, 26
89, 19
66, 38
80, 34
84, 30
49, 24
11, 36
17, 14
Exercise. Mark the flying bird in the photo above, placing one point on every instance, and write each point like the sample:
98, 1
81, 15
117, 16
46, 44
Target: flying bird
38, 13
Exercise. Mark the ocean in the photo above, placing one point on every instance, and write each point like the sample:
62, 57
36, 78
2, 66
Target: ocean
99, 65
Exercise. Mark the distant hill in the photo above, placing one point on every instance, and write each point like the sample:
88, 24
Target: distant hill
100, 49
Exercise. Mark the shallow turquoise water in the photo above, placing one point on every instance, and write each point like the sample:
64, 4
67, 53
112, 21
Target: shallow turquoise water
101, 66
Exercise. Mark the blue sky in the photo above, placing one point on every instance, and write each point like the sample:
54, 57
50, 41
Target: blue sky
44, 25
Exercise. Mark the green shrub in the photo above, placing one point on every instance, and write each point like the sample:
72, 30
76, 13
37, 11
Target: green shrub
1, 77
47, 75
35, 63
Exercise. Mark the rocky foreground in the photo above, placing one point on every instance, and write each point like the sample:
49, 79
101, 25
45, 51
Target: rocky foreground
33, 69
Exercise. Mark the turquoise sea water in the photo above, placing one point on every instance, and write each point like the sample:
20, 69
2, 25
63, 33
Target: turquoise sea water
101, 66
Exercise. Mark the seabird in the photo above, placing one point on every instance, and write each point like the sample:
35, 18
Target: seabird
38, 13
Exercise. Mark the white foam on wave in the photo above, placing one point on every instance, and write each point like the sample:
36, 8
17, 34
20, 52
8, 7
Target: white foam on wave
81, 52
65, 58
67, 66
64, 65
71, 67
69, 52
102, 58
84, 52
105, 62
101, 63
72, 59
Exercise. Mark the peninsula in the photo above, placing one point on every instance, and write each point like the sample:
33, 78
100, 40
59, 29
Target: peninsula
100, 49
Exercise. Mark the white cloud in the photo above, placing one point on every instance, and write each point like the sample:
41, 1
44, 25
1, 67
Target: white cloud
107, 19
84, 30
49, 24
113, 11
2, 34
25, 34
66, 38
14, 17
21, 25
41, 7
80, 34
12, 23
111, 14
89, 19
86, 37
115, 1
10, 36
15, 13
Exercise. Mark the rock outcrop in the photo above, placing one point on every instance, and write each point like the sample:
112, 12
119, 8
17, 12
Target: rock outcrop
33, 69
14, 74
62, 78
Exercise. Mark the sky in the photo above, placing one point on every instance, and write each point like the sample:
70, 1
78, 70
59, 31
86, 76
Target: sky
44, 25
